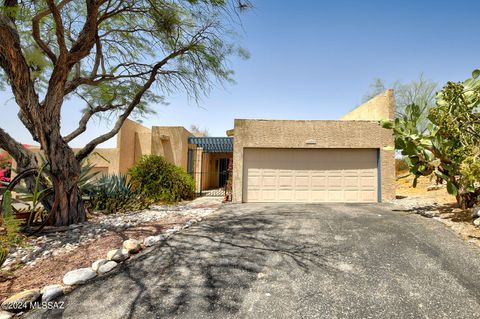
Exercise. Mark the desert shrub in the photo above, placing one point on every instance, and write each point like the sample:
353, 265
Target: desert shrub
158, 180
113, 193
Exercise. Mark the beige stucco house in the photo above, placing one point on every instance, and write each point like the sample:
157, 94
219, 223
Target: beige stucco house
345, 160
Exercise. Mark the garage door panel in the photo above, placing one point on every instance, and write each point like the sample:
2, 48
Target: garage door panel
334, 181
318, 196
335, 196
254, 181
285, 181
254, 195
366, 196
302, 181
367, 181
310, 175
351, 195
318, 181
351, 181
269, 181
285, 195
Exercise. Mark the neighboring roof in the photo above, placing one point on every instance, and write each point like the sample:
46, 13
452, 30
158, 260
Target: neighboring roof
213, 144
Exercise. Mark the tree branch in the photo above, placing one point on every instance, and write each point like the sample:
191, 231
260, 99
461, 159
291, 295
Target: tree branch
36, 31
24, 158
84, 152
82, 124
16, 68
86, 39
59, 28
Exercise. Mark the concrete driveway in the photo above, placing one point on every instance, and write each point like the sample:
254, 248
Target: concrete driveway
293, 261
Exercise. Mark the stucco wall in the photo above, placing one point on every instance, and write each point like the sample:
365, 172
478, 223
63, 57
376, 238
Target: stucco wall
172, 143
380, 107
325, 134
131, 145
105, 160
135, 140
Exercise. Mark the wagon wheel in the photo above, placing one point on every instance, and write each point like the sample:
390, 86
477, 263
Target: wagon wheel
35, 219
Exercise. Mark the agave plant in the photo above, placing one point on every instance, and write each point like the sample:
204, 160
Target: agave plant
114, 193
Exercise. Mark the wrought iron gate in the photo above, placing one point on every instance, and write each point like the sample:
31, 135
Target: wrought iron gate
210, 164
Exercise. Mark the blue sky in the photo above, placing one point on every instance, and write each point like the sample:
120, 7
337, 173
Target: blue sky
315, 60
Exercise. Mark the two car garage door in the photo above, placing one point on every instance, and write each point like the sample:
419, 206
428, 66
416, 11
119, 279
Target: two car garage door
310, 175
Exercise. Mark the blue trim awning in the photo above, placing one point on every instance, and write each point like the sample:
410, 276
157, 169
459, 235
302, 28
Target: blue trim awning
213, 144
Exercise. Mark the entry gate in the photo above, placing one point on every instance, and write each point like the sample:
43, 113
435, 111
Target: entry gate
210, 164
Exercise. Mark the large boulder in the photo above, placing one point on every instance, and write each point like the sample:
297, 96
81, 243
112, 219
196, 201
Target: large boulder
21, 301
117, 255
78, 276
132, 246
52, 292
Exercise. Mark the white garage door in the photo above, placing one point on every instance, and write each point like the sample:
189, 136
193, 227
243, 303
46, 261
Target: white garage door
310, 175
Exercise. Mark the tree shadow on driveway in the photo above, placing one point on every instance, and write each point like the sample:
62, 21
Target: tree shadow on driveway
208, 268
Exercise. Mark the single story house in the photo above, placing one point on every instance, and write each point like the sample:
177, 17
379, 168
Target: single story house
345, 160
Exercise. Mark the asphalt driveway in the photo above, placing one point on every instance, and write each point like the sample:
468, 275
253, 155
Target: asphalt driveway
293, 261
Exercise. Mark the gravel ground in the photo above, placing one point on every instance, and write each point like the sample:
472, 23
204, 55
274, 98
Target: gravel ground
438, 205
58, 243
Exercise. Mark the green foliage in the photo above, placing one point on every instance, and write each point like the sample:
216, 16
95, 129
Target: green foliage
158, 180
7, 203
113, 193
3, 255
449, 148
10, 231
131, 43
43, 185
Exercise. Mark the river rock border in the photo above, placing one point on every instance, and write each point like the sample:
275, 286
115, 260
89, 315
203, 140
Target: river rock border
27, 299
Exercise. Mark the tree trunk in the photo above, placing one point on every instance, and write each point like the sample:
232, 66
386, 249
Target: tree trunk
70, 209
466, 200
65, 173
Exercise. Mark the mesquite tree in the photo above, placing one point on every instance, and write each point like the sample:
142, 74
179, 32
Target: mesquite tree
114, 55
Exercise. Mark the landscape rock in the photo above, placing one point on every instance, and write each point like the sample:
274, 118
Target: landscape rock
108, 266
5, 314
12, 303
429, 213
476, 222
78, 276
117, 255
152, 240
476, 212
132, 246
51, 292
65, 240
97, 264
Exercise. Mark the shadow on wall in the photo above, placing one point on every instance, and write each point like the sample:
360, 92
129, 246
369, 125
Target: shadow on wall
207, 270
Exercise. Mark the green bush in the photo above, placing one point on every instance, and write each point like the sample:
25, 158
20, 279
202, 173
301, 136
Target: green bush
10, 228
158, 180
113, 193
